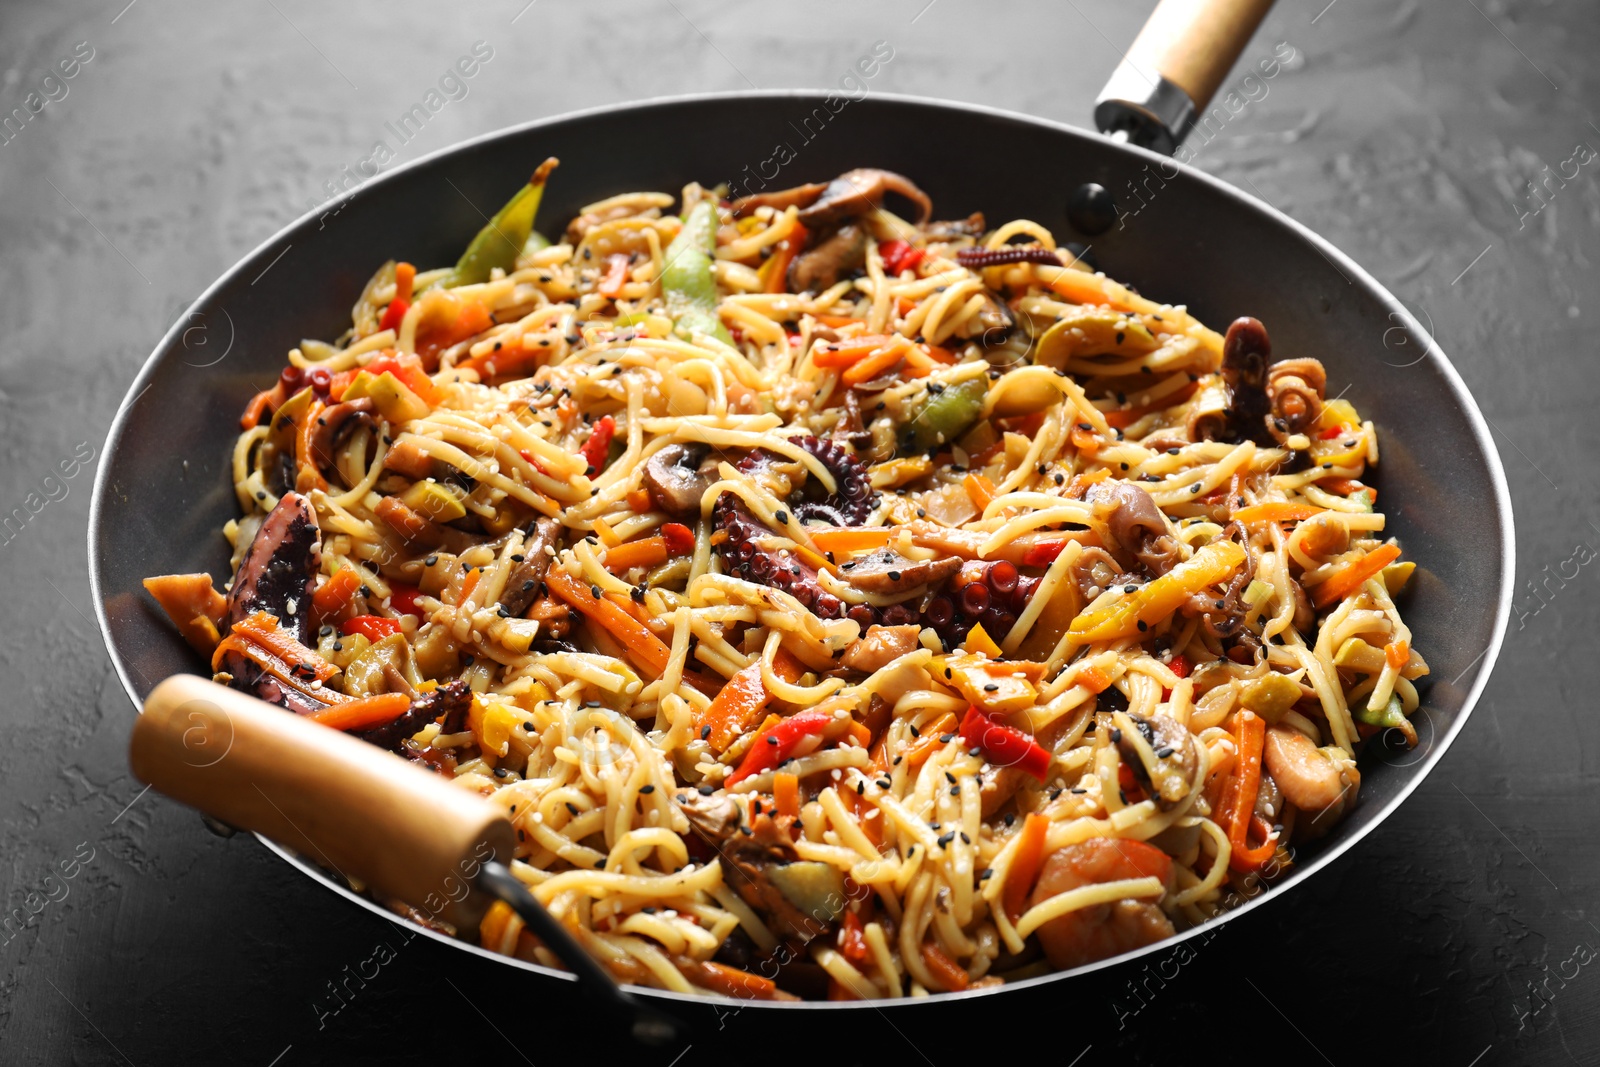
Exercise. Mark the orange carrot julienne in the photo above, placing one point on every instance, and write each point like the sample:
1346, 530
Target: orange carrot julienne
404, 275
634, 635
363, 712
848, 351
950, 974
732, 982
1240, 800
1354, 575
335, 594
1397, 654
646, 552
263, 629
639, 500
845, 539
1025, 864
786, 793
1094, 679
875, 363
742, 698
1276, 511
980, 489
468, 584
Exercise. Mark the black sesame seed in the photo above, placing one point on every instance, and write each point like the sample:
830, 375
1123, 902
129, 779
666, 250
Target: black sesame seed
1116, 736
1163, 752
1143, 626
705, 732
945, 739
706, 789
647, 789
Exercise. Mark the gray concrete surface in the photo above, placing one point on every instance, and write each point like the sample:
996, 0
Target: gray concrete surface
1463, 932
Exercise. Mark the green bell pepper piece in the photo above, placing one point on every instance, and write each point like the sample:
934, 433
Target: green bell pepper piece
687, 281
510, 231
1392, 713
944, 417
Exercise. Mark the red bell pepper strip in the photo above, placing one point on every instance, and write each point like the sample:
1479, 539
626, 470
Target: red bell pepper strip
394, 313
599, 443
679, 538
899, 256
774, 746
1042, 554
403, 598
373, 627
1004, 746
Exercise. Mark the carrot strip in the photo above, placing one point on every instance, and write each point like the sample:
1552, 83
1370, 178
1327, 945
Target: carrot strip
980, 489
1352, 577
255, 409
468, 584
786, 793
732, 982
821, 563
263, 630
404, 275
1344, 486
851, 540
849, 351
639, 500
950, 974
363, 712
742, 698
646, 552
1025, 864
1276, 511
1094, 679
634, 635
1240, 801
876, 363
335, 594
929, 742
1397, 654
1121, 419
307, 475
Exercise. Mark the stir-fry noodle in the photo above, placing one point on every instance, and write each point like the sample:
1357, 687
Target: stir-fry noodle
839, 603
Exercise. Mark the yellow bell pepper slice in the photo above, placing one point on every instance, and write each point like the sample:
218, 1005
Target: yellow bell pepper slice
1121, 617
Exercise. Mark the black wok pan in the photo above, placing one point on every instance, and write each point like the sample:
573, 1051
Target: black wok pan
164, 489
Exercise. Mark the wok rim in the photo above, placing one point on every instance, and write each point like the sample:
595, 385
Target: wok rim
1289, 226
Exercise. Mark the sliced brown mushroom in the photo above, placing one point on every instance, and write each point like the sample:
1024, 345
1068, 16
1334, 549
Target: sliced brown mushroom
860, 191
678, 476
821, 266
1177, 762
522, 586
887, 571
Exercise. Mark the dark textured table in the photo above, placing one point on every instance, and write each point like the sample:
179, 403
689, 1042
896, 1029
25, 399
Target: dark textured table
1464, 931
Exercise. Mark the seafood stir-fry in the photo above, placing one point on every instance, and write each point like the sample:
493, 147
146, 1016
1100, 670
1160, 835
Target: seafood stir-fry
840, 602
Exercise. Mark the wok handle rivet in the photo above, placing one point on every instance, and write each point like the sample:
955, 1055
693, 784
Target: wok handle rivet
1091, 209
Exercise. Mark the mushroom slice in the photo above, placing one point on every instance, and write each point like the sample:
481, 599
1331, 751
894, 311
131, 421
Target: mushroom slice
677, 478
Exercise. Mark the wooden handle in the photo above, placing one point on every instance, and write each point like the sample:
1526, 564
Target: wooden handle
341, 802
1194, 43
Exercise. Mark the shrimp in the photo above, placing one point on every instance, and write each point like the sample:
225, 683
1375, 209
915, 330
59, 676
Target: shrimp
1102, 930
1321, 782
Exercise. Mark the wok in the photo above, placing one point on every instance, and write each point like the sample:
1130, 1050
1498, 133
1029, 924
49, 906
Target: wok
165, 489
